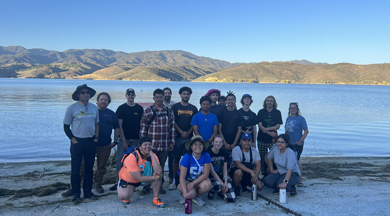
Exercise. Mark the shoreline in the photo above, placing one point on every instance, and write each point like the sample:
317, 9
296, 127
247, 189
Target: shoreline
349, 185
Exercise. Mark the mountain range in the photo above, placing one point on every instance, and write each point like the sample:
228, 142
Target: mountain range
176, 65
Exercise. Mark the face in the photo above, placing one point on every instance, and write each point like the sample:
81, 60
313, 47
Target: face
167, 95
130, 97
269, 102
214, 97
146, 148
102, 102
197, 147
185, 96
247, 101
205, 105
84, 94
281, 144
218, 143
158, 99
222, 102
246, 143
293, 109
230, 101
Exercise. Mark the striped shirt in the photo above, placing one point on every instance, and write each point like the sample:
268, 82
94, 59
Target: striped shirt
161, 129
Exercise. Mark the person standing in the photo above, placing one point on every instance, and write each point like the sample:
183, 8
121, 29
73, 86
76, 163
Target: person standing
184, 111
249, 118
81, 125
129, 117
269, 121
214, 95
169, 104
158, 123
295, 125
107, 121
230, 123
204, 122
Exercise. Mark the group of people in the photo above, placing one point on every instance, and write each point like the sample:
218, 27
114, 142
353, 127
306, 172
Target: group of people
211, 150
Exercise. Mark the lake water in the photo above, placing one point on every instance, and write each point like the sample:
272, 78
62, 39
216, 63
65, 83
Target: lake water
343, 120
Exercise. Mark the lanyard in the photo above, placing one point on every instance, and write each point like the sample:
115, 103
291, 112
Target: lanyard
200, 168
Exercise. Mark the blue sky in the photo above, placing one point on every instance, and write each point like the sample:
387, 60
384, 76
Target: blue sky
236, 31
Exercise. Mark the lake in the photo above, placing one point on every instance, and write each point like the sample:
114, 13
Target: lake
343, 120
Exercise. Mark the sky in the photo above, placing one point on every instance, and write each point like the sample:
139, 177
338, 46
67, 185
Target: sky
354, 31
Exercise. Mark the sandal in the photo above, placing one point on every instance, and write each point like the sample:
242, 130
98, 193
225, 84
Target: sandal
300, 184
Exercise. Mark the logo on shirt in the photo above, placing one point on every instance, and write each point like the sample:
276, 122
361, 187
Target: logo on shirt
185, 112
83, 113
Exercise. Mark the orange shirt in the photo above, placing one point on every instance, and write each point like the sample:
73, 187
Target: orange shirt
130, 165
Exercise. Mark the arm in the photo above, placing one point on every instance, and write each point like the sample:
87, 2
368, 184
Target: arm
171, 125
283, 185
156, 165
227, 146
215, 175
205, 174
257, 172
306, 132
69, 134
196, 129
96, 132
271, 166
242, 167
254, 129
122, 134
183, 183
116, 135
237, 137
140, 178
215, 129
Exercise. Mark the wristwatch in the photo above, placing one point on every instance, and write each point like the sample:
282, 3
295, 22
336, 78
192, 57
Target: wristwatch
285, 181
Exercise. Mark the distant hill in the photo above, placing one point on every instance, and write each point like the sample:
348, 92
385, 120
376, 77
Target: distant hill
176, 65
289, 72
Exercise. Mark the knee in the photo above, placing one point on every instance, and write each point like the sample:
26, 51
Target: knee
205, 185
238, 173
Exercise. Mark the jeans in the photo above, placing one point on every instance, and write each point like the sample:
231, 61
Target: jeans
274, 179
84, 148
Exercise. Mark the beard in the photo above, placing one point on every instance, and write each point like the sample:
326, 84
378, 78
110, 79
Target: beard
167, 98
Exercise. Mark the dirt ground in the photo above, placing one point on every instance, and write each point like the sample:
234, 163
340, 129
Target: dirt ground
332, 186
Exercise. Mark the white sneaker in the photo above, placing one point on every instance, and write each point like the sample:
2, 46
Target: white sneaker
198, 201
182, 200
172, 186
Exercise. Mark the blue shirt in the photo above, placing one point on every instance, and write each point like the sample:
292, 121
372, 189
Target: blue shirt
107, 121
193, 169
294, 127
205, 124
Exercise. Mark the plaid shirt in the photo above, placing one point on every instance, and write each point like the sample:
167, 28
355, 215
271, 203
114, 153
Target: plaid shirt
160, 130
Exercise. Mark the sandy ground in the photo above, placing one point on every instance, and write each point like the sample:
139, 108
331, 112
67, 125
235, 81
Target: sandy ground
333, 186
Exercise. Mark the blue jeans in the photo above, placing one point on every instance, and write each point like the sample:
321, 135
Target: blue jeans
84, 148
274, 179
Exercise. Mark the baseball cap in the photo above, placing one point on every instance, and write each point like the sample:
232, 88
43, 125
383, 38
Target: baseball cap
130, 90
246, 136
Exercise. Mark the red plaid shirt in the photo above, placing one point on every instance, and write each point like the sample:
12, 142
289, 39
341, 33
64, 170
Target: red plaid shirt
160, 130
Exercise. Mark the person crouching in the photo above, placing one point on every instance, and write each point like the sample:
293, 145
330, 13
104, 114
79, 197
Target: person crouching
134, 172
192, 179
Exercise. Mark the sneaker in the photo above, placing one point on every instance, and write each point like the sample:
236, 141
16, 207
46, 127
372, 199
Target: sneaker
91, 196
163, 191
276, 191
245, 190
67, 193
145, 190
237, 191
198, 201
157, 202
99, 189
76, 199
125, 202
172, 186
294, 192
210, 195
113, 188
171, 181
182, 200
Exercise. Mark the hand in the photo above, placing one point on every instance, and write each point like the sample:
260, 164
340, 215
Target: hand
188, 196
299, 143
74, 141
190, 186
112, 145
272, 134
225, 188
96, 140
254, 179
230, 92
283, 185
171, 146
274, 171
125, 145
254, 144
184, 134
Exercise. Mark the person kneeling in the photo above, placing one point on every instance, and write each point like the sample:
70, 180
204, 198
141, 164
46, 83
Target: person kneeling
245, 159
192, 179
287, 174
137, 170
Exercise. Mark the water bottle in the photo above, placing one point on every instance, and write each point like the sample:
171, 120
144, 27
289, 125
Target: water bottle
254, 192
141, 167
282, 195
188, 204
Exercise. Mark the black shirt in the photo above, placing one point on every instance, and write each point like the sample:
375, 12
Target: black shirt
183, 116
230, 121
268, 119
131, 117
218, 161
249, 119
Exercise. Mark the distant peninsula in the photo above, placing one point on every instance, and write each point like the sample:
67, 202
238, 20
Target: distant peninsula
177, 65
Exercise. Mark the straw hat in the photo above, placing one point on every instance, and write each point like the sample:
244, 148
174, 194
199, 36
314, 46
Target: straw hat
197, 138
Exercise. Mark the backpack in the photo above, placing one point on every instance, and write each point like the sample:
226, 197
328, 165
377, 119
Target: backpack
130, 150
155, 114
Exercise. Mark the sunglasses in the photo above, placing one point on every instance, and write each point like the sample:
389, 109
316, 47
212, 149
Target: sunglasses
84, 92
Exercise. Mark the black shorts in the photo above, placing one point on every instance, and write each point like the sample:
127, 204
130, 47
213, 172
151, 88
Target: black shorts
246, 177
299, 150
123, 183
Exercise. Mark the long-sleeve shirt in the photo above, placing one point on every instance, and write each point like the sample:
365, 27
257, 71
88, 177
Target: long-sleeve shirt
161, 130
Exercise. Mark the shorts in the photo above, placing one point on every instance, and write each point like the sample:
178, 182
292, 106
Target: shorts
246, 177
180, 149
123, 184
299, 150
